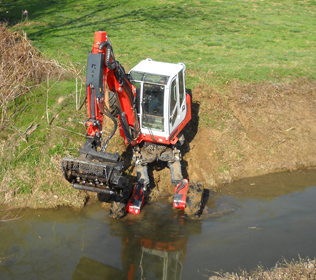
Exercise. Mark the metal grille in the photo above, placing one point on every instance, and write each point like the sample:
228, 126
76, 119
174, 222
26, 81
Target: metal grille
75, 166
88, 168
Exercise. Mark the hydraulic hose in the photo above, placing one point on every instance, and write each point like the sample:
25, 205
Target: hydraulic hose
108, 114
109, 55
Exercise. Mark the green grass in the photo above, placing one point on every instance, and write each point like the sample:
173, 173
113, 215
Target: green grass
36, 158
219, 41
223, 40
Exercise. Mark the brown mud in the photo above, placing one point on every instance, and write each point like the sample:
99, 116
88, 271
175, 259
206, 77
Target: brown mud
261, 128
248, 130
238, 131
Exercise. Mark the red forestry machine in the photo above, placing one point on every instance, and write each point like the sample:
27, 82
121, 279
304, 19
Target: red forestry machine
152, 108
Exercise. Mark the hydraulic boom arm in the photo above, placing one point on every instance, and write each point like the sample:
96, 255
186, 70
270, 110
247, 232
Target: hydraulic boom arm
103, 69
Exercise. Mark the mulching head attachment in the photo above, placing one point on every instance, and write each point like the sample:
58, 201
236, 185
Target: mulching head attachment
102, 177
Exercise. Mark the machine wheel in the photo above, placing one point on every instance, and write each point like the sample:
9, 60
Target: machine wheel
114, 104
118, 205
193, 203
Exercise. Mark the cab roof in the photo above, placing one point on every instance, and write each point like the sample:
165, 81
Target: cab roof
158, 68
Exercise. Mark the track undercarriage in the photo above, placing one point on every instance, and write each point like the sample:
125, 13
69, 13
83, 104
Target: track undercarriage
149, 153
101, 172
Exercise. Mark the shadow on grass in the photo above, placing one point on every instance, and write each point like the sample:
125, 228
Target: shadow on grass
74, 16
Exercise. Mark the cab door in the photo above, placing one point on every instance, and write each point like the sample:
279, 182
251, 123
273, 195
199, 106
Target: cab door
182, 96
174, 116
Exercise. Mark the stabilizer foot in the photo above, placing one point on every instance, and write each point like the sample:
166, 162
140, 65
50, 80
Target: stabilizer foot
180, 194
136, 202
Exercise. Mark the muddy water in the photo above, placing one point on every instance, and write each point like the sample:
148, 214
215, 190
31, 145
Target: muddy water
258, 220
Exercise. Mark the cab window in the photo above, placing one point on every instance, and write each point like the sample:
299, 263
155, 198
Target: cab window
173, 102
153, 101
181, 87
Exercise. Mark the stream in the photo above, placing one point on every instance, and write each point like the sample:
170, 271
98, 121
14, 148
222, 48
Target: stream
255, 221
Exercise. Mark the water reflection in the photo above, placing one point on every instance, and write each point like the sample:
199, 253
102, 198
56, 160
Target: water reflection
152, 247
269, 220
272, 185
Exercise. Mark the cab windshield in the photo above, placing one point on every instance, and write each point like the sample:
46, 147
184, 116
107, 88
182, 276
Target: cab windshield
152, 102
152, 105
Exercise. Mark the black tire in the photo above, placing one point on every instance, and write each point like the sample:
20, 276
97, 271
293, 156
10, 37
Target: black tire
119, 203
193, 205
114, 104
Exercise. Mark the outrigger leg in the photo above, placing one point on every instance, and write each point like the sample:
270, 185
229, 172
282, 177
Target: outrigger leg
137, 200
187, 197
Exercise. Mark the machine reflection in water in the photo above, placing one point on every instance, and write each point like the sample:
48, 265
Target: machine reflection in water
150, 250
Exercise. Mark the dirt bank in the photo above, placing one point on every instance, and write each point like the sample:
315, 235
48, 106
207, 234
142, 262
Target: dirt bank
248, 130
253, 129
241, 130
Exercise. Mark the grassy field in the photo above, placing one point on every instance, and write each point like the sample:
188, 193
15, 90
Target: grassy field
217, 40
220, 42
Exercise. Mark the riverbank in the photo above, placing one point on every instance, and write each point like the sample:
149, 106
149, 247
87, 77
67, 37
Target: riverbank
237, 131
239, 128
247, 130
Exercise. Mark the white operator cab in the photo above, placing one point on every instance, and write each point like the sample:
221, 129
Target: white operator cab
160, 96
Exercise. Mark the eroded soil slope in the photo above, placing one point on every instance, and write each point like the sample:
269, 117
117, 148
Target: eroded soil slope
237, 131
253, 129
248, 130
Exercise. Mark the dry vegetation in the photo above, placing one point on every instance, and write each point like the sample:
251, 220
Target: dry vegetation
302, 270
21, 68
